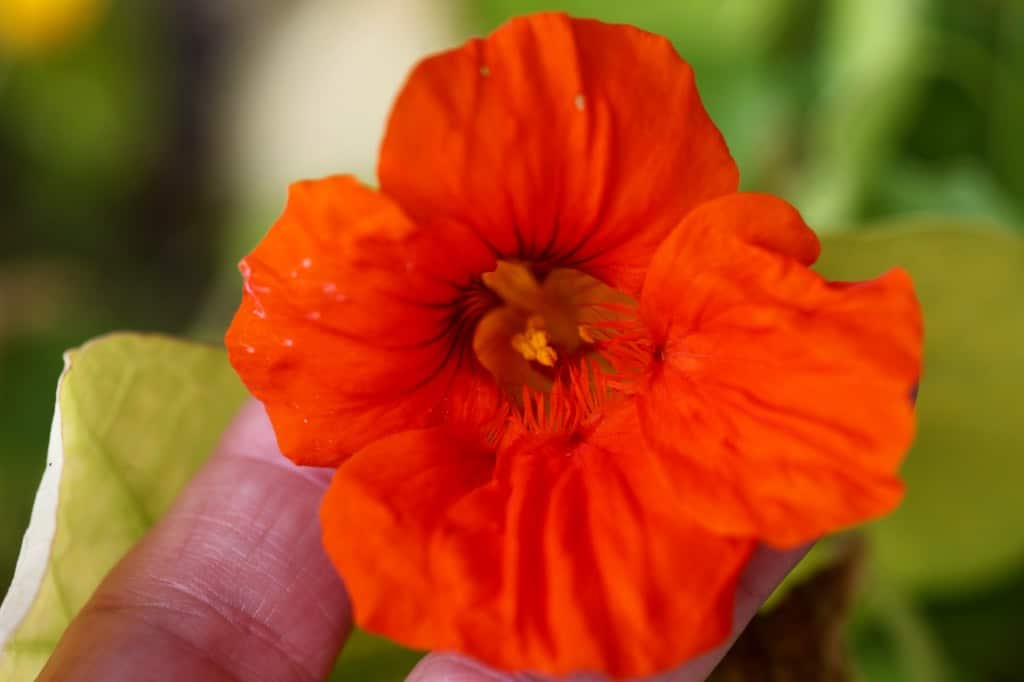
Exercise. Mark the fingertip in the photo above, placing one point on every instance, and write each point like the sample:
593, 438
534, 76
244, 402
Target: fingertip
250, 432
251, 437
232, 583
765, 571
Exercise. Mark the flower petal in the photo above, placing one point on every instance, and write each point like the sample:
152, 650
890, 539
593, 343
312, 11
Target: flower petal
353, 325
413, 525
604, 572
572, 556
561, 141
779, 403
766, 221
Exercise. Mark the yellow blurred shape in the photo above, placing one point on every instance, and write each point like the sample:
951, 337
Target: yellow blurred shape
35, 26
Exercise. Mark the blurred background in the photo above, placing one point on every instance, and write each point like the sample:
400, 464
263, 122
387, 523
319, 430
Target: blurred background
146, 145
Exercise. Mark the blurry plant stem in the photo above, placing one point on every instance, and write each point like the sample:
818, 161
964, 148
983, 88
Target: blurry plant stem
1008, 95
921, 658
867, 89
962, 60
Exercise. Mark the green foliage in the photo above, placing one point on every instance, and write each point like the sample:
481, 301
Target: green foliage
29, 370
870, 88
962, 524
135, 417
368, 657
892, 640
90, 113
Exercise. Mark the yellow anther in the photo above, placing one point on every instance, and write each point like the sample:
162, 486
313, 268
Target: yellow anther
547, 356
538, 338
523, 347
534, 343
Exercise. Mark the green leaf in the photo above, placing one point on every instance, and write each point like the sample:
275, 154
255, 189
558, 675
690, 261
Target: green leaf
369, 657
961, 524
135, 417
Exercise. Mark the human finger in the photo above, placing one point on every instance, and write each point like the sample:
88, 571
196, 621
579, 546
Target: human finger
231, 584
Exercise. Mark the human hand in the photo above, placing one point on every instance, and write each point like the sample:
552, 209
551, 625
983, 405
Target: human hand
233, 584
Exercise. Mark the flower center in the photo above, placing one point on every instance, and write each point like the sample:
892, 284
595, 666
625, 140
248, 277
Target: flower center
548, 323
534, 343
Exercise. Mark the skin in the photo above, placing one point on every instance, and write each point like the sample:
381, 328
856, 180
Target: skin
232, 584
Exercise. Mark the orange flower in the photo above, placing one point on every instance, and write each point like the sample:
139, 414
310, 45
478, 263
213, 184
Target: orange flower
569, 377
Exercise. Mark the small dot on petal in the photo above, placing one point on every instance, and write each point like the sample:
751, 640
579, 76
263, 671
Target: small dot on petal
288, 342
485, 71
315, 315
580, 101
306, 262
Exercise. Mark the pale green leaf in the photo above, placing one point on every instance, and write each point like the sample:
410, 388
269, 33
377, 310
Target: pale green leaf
962, 522
135, 416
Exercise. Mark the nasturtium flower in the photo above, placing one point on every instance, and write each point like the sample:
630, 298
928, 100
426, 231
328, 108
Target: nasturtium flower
568, 375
